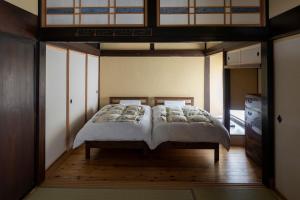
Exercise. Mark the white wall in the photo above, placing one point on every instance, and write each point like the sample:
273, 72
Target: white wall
277, 7
287, 104
56, 66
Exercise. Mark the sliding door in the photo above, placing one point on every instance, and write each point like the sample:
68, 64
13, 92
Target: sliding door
77, 67
56, 95
287, 108
92, 85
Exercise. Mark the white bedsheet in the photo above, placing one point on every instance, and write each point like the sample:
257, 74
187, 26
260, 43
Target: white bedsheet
116, 131
163, 131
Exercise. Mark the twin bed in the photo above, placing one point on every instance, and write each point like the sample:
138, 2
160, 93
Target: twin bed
173, 122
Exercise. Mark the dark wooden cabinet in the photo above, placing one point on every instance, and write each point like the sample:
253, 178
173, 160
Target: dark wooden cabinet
253, 128
17, 117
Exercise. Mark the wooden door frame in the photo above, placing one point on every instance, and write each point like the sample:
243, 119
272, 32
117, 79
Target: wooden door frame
279, 26
41, 111
268, 165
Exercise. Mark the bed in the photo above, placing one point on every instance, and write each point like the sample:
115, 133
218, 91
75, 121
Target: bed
186, 135
116, 134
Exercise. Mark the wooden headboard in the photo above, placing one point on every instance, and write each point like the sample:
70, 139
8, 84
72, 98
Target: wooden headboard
161, 100
116, 100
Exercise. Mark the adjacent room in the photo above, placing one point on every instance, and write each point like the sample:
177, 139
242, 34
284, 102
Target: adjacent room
179, 76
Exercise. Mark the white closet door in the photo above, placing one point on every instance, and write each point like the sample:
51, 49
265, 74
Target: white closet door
92, 85
76, 92
287, 106
56, 77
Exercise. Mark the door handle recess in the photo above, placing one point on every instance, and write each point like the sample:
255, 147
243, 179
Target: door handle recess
279, 118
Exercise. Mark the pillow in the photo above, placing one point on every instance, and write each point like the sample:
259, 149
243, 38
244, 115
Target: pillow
130, 102
175, 104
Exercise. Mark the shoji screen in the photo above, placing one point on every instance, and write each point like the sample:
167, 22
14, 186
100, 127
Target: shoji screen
94, 12
56, 77
92, 85
77, 64
210, 12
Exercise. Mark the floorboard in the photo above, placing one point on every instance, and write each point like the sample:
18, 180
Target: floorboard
182, 168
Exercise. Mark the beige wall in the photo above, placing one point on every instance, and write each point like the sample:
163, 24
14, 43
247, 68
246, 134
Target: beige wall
242, 82
279, 6
29, 5
152, 76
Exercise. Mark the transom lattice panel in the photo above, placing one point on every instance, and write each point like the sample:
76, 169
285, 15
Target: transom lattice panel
210, 12
94, 12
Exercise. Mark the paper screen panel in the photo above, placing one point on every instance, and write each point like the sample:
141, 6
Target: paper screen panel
246, 19
130, 3
94, 3
173, 3
245, 3
59, 3
174, 19
60, 19
129, 18
201, 3
94, 19
210, 19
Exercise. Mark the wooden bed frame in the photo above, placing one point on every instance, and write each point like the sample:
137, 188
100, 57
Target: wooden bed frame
141, 144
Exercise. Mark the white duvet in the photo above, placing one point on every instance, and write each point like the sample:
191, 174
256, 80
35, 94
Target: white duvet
116, 131
163, 131
153, 133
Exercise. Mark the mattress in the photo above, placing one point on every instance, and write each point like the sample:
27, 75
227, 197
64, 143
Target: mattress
116, 131
164, 131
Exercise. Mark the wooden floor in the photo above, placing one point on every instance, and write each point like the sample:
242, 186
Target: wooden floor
109, 168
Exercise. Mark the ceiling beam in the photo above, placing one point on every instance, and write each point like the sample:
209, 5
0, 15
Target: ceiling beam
82, 47
18, 22
155, 34
285, 24
152, 53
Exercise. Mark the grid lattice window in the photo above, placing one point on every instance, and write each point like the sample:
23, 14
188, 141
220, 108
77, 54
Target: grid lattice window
95, 12
210, 12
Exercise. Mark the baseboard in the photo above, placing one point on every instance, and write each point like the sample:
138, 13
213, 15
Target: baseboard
61, 158
279, 194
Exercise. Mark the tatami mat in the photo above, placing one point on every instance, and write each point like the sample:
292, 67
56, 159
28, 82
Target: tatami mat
234, 194
204, 193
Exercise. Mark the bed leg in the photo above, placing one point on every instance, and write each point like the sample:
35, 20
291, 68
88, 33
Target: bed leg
146, 152
216, 152
87, 152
